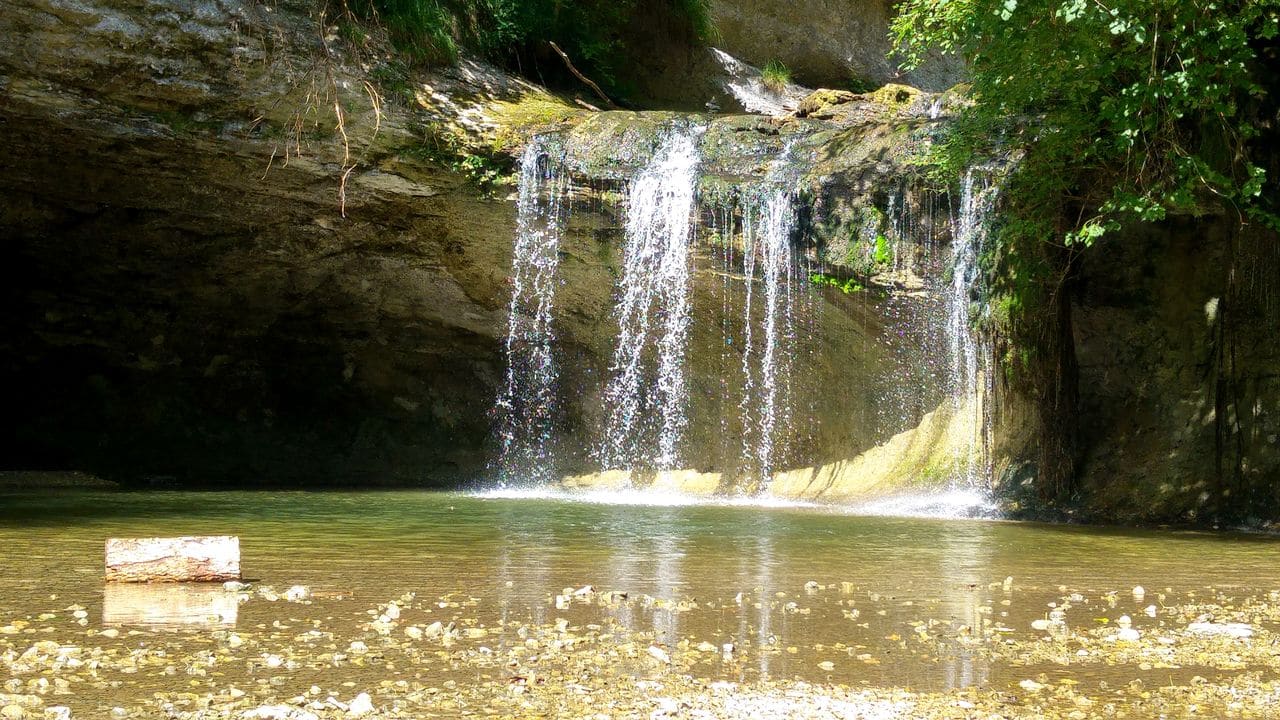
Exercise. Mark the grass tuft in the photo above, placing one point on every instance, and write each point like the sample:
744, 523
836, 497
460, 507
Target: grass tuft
775, 75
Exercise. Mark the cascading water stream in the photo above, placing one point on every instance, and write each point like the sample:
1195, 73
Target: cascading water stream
526, 405
647, 392
768, 223
969, 234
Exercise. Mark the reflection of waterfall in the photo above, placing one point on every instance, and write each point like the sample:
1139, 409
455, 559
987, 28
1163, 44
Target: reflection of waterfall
526, 406
969, 233
647, 391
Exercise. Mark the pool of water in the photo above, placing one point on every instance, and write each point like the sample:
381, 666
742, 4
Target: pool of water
801, 592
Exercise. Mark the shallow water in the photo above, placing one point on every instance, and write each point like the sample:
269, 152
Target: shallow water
719, 574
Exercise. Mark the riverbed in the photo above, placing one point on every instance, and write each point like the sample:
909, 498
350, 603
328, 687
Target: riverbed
418, 604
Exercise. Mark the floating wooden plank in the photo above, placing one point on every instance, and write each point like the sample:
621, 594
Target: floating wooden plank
178, 559
169, 605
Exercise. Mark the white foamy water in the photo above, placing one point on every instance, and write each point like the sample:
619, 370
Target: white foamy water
640, 496
952, 504
647, 392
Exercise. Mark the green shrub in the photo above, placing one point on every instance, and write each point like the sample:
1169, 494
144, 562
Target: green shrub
516, 33
846, 286
884, 251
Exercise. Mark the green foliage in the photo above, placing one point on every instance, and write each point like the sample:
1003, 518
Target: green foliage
860, 84
1128, 110
775, 75
487, 173
516, 32
846, 286
423, 29
884, 251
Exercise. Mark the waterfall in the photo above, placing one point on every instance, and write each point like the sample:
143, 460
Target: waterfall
647, 392
969, 231
768, 224
526, 405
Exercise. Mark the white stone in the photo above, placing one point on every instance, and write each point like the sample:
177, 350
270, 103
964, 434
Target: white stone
360, 706
1235, 630
278, 712
1031, 686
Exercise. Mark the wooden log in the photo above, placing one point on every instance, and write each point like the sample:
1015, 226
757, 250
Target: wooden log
178, 559
171, 605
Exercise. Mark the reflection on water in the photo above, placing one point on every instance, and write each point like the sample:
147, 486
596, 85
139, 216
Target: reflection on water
793, 592
169, 605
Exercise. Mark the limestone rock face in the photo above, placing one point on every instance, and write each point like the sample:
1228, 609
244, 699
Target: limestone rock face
191, 288
830, 44
1176, 335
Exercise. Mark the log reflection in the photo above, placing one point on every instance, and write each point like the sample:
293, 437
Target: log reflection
169, 605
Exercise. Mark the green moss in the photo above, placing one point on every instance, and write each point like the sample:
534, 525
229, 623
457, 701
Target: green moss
182, 124
894, 95
531, 111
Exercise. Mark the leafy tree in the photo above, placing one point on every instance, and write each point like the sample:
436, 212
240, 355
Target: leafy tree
1129, 109
1117, 111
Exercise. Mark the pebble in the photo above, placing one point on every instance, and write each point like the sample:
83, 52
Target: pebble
297, 593
360, 706
278, 712
13, 712
1235, 630
234, 586
659, 654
